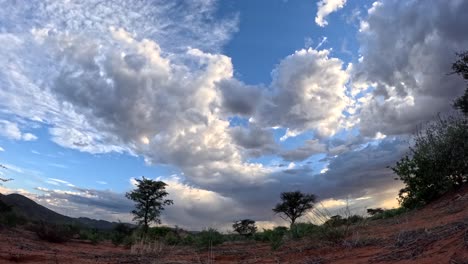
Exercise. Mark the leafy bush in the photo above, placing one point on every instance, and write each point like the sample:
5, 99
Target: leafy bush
273, 236
245, 227
53, 233
333, 234
120, 232
389, 213
172, 239
11, 219
374, 211
338, 220
128, 241
207, 238
158, 232
301, 230
436, 163
188, 240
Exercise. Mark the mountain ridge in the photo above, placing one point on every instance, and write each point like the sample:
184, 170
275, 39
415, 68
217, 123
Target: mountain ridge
33, 211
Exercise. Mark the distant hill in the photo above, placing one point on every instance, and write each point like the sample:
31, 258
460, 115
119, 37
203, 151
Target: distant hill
36, 212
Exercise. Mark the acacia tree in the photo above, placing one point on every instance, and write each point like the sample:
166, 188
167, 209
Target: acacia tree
245, 227
149, 201
294, 205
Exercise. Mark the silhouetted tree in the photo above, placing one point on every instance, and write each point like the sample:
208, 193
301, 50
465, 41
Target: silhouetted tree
245, 227
460, 67
149, 198
294, 205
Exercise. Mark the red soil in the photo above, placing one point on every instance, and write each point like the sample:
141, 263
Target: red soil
437, 233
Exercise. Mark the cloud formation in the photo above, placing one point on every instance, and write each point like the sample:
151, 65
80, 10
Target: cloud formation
154, 84
11, 130
407, 49
325, 8
307, 93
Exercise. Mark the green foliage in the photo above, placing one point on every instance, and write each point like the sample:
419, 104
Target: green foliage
172, 238
128, 241
333, 234
149, 198
11, 219
53, 233
273, 236
461, 67
245, 227
94, 238
338, 220
436, 163
374, 211
188, 240
120, 232
354, 219
294, 205
208, 238
158, 232
389, 213
301, 230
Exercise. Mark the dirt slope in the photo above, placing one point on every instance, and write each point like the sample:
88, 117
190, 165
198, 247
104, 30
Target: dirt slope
437, 233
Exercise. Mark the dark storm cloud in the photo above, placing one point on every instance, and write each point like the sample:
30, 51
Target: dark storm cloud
239, 98
407, 48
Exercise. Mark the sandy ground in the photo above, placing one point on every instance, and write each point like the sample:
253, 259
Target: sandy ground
437, 233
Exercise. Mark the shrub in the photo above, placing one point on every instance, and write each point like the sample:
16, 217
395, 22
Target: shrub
301, 230
245, 227
120, 232
53, 233
389, 213
172, 239
128, 241
333, 234
188, 240
273, 237
159, 232
338, 220
207, 238
11, 219
354, 219
374, 211
436, 163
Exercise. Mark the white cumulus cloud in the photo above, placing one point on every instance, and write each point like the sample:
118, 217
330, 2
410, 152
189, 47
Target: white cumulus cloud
325, 8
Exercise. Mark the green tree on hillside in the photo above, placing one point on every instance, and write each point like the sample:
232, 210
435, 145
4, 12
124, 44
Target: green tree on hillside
438, 160
460, 66
149, 201
294, 205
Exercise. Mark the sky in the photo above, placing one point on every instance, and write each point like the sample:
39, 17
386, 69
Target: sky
228, 102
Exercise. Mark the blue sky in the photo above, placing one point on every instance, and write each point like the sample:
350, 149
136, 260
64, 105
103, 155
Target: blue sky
229, 102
